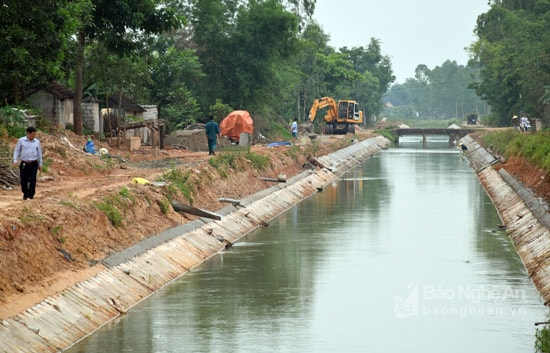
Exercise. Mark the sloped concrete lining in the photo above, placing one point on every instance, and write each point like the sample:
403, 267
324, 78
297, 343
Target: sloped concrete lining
60, 321
526, 219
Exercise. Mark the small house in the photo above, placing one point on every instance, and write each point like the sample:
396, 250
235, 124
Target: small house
55, 103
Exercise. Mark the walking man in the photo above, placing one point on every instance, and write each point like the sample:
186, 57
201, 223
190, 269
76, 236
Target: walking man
212, 132
29, 152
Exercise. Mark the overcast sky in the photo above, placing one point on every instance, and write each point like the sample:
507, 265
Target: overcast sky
410, 32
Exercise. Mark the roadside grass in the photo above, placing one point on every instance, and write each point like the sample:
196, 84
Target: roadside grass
110, 206
542, 340
387, 133
110, 210
46, 164
99, 164
233, 158
165, 206
534, 147
178, 183
294, 152
30, 217
314, 149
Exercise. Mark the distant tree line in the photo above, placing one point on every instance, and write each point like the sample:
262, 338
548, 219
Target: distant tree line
440, 93
509, 71
190, 58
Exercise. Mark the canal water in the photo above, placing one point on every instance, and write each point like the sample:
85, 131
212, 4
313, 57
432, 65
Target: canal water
403, 254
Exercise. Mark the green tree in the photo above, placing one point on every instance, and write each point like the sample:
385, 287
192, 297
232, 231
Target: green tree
313, 50
175, 75
123, 27
375, 77
35, 39
240, 47
265, 34
111, 75
513, 50
359, 73
451, 95
212, 23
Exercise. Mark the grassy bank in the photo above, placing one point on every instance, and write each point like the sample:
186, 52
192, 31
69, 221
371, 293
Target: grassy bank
534, 147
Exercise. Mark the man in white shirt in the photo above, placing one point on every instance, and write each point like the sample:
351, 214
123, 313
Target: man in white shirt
29, 152
294, 128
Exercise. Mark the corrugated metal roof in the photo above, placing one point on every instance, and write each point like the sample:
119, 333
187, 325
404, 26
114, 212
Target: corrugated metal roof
59, 90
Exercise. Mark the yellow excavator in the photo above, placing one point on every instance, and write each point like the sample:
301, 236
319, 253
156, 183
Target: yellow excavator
340, 118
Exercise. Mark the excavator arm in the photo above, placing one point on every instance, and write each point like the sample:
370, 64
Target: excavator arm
320, 104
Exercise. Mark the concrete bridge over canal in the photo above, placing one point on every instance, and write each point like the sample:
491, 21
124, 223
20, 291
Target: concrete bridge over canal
454, 134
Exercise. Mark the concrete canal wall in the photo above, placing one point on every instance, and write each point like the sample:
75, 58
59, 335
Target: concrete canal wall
60, 321
527, 220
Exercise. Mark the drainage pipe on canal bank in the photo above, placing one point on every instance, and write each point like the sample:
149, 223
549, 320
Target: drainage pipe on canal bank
526, 219
60, 321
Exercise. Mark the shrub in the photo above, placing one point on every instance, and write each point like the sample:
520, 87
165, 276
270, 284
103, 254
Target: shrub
110, 211
542, 343
178, 181
12, 119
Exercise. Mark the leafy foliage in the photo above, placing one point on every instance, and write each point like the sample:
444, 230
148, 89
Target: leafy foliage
205, 57
178, 183
220, 110
175, 75
542, 343
13, 121
513, 50
109, 208
123, 27
232, 159
36, 36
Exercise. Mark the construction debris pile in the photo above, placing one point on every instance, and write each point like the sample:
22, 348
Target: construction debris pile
9, 177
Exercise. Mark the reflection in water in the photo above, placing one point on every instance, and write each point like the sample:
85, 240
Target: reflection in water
402, 254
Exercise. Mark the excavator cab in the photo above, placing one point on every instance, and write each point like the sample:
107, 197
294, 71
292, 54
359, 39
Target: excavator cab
343, 110
349, 110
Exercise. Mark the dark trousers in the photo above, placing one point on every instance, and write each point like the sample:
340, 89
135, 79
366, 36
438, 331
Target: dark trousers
27, 174
212, 143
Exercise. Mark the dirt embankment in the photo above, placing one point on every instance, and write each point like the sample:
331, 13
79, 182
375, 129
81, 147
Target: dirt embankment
61, 236
530, 175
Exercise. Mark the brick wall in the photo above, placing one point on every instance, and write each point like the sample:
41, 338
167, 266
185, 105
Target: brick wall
91, 117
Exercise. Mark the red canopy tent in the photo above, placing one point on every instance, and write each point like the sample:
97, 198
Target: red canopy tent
235, 123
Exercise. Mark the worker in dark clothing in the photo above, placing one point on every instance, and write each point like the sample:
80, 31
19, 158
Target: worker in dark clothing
212, 133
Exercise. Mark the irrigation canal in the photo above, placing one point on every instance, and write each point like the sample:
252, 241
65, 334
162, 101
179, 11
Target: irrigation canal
403, 253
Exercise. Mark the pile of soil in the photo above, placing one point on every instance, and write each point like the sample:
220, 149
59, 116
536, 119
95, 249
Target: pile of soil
190, 139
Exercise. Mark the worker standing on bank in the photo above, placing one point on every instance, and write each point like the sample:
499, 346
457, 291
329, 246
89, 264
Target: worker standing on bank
29, 152
294, 128
212, 133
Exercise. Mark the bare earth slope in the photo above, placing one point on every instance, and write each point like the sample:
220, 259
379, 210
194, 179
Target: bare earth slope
530, 175
61, 236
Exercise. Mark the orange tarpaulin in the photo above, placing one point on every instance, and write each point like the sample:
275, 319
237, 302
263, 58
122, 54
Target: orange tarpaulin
236, 122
